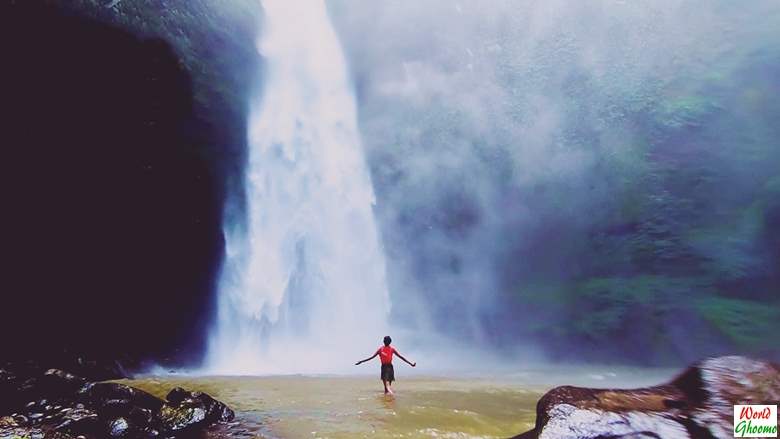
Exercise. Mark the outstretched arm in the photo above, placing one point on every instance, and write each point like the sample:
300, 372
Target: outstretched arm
367, 359
407, 361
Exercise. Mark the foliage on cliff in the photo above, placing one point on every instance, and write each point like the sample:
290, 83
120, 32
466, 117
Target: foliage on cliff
598, 179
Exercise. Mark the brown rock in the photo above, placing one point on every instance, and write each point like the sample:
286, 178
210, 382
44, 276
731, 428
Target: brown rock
697, 404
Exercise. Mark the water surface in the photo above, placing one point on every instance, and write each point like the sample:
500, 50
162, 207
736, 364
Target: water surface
355, 407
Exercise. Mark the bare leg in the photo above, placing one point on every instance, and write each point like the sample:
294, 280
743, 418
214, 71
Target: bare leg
386, 388
389, 387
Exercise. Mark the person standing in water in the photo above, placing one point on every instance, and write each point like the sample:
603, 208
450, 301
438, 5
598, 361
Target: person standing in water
386, 357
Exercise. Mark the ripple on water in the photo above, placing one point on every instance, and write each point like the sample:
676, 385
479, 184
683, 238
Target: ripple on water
432, 432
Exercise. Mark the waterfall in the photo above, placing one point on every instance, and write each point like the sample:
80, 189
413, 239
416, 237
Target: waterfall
303, 286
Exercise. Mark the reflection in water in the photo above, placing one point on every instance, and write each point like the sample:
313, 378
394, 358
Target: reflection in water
388, 401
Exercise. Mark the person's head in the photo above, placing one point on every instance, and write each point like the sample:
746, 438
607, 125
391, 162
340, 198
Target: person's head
387, 340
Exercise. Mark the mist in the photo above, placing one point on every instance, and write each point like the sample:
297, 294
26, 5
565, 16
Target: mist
587, 181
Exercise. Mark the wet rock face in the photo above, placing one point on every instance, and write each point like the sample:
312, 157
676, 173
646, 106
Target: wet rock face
715, 385
186, 411
182, 418
58, 404
697, 404
117, 397
119, 427
215, 410
78, 421
568, 421
10, 428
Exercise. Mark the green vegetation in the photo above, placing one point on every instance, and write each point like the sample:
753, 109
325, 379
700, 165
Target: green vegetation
691, 239
747, 323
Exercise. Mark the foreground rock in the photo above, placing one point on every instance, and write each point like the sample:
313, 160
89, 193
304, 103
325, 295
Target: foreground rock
59, 405
187, 411
697, 404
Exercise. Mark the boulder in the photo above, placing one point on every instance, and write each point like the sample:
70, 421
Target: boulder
8, 422
22, 432
58, 404
19, 391
186, 411
215, 410
10, 428
177, 395
113, 397
8, 388
55, 384
121, 427
78, 421
568, 421
52, 385
697, 404
182, 418
715, 385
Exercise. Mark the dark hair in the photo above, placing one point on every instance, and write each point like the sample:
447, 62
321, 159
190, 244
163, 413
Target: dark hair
387, 340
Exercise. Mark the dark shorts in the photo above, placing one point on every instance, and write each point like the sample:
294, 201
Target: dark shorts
387, 373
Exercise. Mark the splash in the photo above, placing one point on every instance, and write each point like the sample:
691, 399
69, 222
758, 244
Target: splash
303, 286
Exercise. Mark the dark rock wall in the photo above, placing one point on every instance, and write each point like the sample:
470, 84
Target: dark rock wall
111, 191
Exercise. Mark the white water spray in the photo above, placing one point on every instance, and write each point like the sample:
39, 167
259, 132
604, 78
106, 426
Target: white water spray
303, 285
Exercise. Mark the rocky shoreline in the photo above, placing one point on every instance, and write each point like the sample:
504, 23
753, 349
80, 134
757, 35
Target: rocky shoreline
698, 404
56, 404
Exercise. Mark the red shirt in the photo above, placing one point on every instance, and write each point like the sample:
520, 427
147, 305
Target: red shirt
386, 354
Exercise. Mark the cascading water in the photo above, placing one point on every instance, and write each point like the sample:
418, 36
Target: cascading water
303, 285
